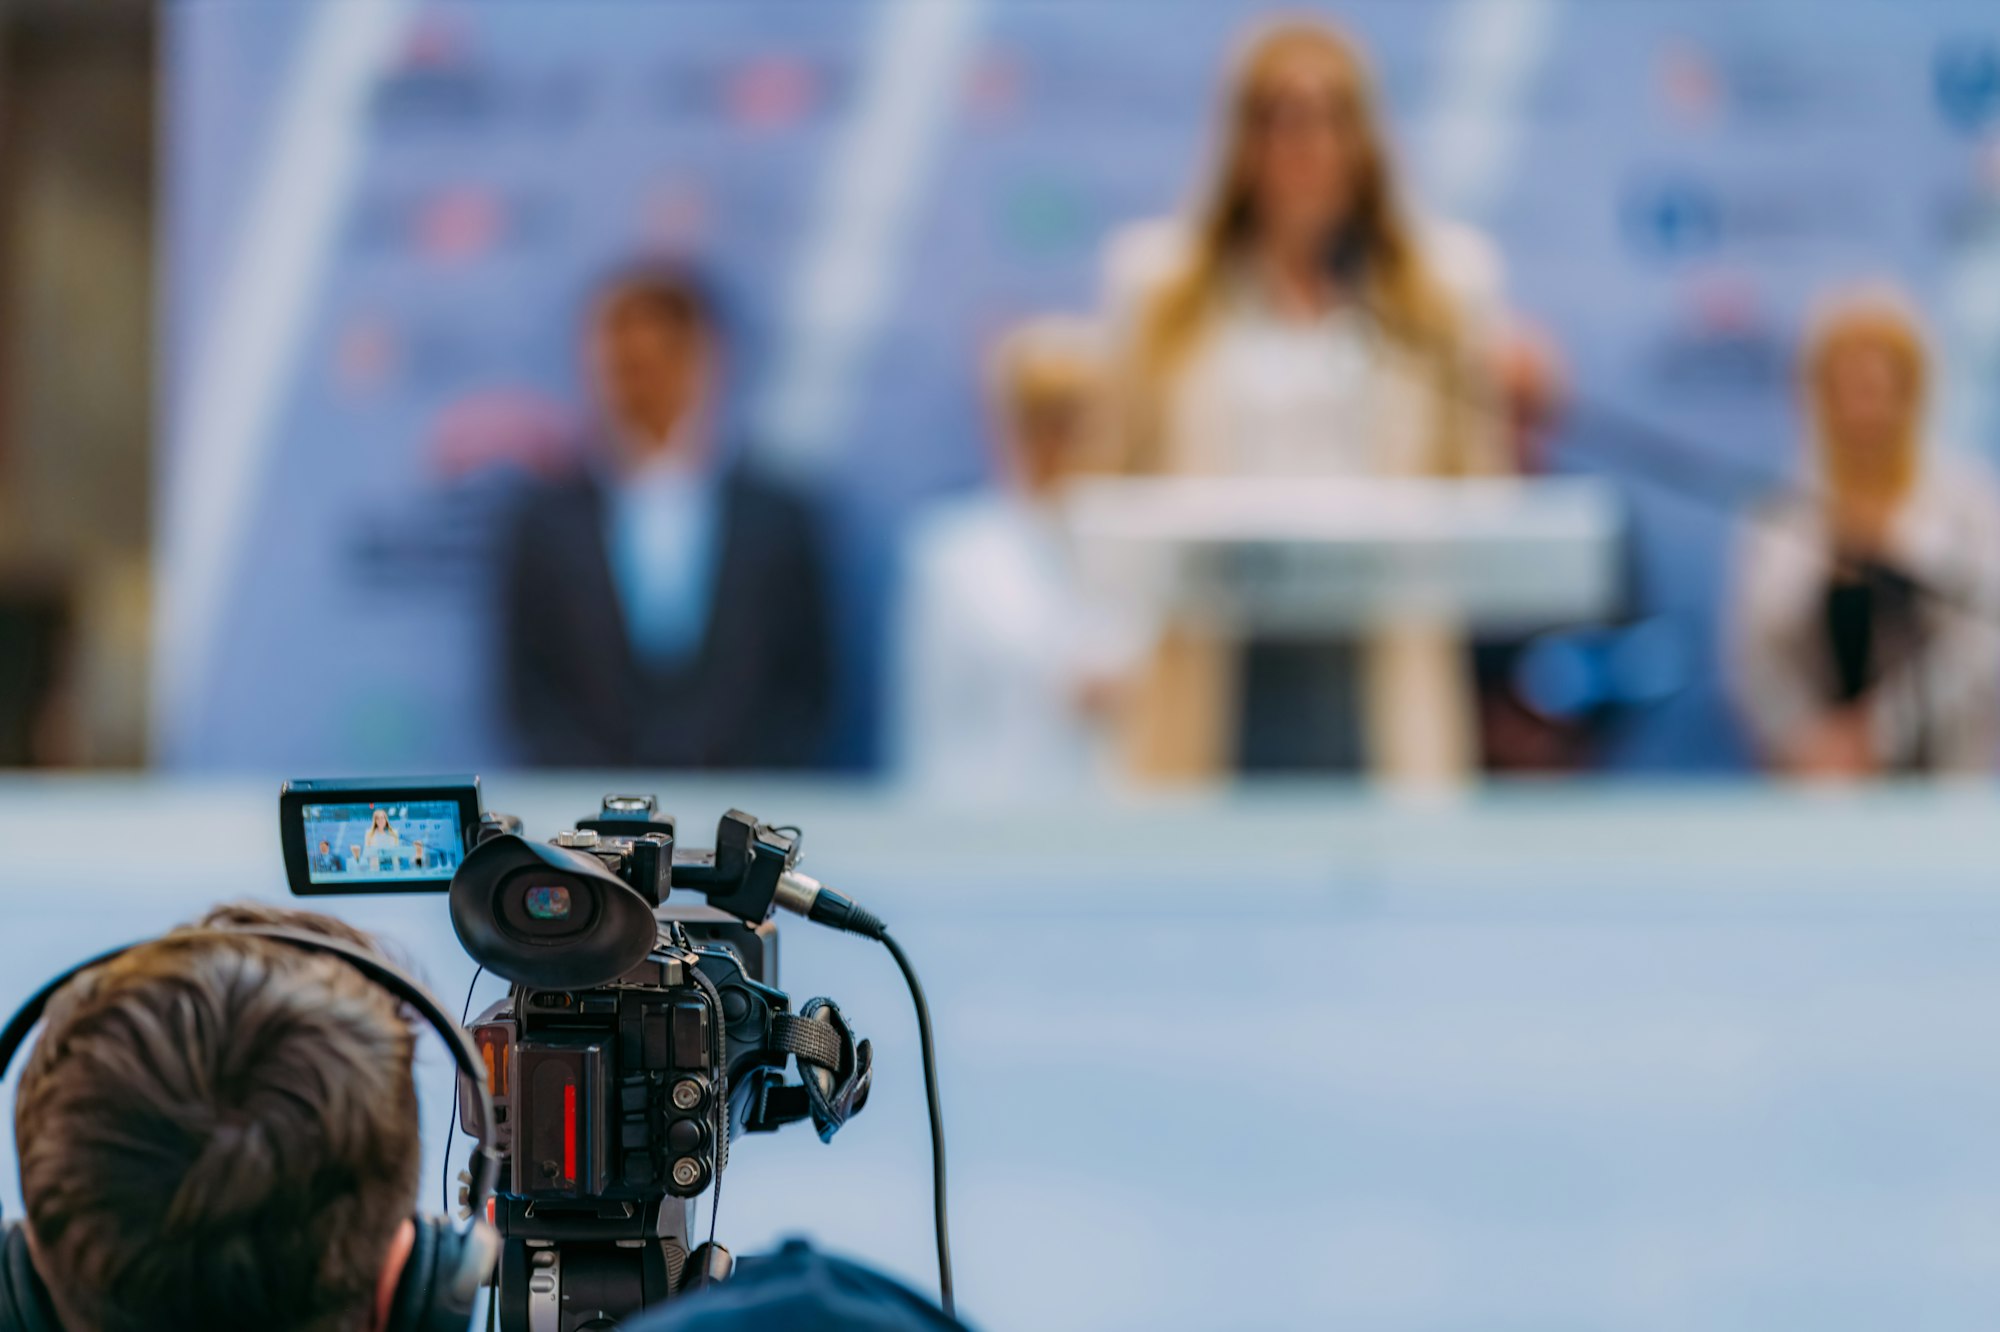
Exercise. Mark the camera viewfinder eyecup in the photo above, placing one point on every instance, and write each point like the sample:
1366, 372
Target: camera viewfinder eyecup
548, 916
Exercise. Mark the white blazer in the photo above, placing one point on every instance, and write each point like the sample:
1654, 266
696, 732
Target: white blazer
1263, 395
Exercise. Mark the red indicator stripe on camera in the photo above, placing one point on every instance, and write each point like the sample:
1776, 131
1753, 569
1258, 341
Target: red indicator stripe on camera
569, 1133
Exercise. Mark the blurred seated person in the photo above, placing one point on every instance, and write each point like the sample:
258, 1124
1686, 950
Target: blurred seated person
665, 607
324, 861
1865, 639
1302, 323
1008, 671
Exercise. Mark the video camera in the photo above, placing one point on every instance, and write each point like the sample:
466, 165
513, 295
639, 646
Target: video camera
636, 1037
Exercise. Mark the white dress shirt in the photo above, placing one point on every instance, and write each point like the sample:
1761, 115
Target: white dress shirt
996, 644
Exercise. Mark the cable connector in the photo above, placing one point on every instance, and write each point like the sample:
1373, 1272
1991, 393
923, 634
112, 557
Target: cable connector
803, 895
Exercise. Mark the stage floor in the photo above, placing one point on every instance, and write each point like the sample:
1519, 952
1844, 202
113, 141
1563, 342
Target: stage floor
1707, 1058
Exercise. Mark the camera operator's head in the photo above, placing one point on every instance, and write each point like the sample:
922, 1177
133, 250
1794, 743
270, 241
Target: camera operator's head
221, 1133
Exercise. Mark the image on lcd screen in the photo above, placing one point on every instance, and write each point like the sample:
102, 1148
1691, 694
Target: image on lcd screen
414, 840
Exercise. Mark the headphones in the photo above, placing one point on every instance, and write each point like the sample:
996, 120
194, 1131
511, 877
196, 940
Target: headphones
447, 1264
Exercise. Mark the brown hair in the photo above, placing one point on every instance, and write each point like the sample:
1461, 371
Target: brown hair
219, 1133
1397, 285
677, 296
1878, 319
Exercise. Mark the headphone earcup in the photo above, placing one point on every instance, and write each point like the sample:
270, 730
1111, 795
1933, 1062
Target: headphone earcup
441, 1280
24, 1300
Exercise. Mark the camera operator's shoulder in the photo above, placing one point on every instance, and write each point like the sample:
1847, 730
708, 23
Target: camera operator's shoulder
801, 1289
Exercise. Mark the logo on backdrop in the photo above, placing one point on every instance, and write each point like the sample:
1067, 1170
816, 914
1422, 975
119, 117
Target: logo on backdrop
1965, 74
1676, 216
1746, 81
1673, 218
1720, 344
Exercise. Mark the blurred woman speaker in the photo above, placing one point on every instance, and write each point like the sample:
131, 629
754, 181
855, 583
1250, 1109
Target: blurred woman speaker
1301, 323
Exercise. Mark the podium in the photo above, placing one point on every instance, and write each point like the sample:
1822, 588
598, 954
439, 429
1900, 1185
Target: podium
1407, 569
1311, 558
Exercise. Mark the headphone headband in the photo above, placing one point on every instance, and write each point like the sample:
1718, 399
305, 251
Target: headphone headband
483, 1169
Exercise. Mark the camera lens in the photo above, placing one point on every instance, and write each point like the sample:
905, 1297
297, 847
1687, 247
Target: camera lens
548, 903
535, 905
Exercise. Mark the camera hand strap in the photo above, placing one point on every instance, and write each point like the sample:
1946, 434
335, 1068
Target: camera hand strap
835, 1071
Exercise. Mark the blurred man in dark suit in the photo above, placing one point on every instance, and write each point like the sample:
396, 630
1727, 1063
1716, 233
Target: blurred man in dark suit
665, 608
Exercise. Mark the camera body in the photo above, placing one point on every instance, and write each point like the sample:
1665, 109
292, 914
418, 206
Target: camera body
618, 1092
614, 1107
636, 1039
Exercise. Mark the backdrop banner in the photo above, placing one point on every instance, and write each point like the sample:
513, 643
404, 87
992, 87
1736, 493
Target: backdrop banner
384, 219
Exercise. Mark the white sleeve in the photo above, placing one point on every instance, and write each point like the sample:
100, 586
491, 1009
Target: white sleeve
1137, 261
942, 666
1771, 667
1959, 697
1470, 268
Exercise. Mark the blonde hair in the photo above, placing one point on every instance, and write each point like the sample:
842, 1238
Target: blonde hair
1397, 286
1053, 361
1879, 319
1048, 356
